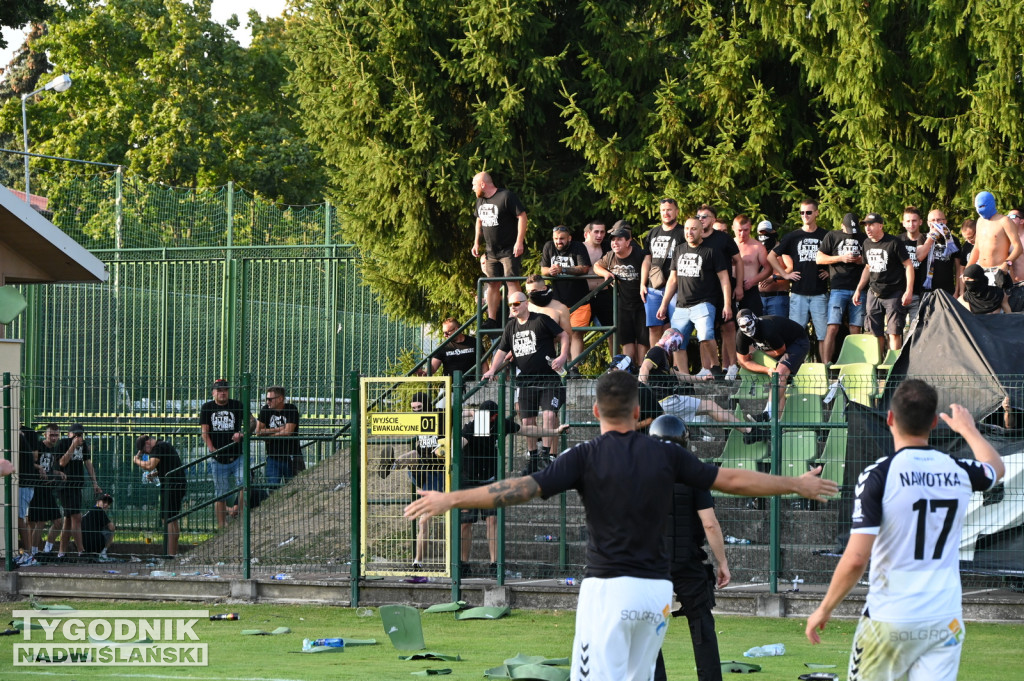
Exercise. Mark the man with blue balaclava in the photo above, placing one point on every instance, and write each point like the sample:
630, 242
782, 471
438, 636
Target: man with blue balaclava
997, 244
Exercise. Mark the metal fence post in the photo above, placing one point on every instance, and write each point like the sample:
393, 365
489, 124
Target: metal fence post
246, 511
502, 447
774, 559
355, 431
455, 444
8, 490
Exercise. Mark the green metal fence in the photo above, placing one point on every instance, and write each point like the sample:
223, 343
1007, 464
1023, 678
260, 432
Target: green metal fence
310, 526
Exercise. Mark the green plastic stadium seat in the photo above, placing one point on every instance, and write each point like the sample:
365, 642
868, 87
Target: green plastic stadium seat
890, 359
802, 407
811, 378
860, 382
799, 449
834, 457
858, 348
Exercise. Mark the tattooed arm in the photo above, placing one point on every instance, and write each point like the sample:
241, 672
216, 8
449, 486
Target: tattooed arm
502, 493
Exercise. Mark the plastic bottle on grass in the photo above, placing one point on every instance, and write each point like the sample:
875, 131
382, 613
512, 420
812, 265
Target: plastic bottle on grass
309, 644
225, 616
772, 650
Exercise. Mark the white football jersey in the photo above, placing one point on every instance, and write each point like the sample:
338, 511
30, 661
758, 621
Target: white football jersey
915, 502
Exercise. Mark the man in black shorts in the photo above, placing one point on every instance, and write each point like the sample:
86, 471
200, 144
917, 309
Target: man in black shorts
97, 528
501, 220
163, 462
75, 462
889, 277
625, 480
625, 264
45, 507
777, 337
530, 337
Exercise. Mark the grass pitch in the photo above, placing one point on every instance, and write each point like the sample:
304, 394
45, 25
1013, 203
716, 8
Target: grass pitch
481, 644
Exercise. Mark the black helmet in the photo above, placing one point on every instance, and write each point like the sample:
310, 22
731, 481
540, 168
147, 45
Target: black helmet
669, 428
622, 363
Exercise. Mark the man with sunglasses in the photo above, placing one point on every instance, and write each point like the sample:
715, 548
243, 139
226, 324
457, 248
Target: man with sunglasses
725, 328
808, 297
530, 337
279, 423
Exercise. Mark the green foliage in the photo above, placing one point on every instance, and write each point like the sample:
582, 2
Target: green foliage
163, 90
408, 102
17, 13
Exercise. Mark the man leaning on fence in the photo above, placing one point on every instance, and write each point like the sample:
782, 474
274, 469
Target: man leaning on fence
279, 423
222, 420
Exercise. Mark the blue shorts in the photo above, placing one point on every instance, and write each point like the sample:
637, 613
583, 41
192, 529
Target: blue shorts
428, 480
776, 305
840, 301
25, 495
702, 316
654, 299
801, 307
222, 473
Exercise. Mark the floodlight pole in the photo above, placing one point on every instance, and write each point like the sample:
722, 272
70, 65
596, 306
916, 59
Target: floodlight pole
58, 84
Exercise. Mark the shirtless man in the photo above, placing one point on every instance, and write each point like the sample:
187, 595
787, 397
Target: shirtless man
1016, 216
755, 265
997, 244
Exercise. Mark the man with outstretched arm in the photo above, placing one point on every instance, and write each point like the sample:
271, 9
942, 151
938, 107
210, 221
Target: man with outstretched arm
625, 480
907, 521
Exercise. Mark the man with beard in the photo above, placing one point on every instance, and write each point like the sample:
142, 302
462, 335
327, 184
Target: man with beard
563, 257
625, 265
841, 251
659, 249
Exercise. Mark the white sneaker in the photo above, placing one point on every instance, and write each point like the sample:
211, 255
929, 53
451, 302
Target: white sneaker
732, 372
703, 373
48, 547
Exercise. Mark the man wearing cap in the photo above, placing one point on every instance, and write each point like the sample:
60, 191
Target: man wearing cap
889, 277
808, 297
163, 463
659, 252
221, 420
778, 337
75, 462
624, 264
841, 251
563, 257
531, 337
774, 290
501, 220
700, 279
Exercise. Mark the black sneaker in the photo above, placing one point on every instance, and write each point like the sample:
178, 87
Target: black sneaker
490, 324
465, 570
387, 461
757, 433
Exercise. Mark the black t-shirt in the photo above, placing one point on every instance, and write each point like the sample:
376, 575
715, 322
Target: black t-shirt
625, 481
280, 446
802, 247
772, 333
724, 243
919, 274
567, 291
965, 252
650, 408
943, 268
49, 461
627, 276
499, 220
660, 244
885, 260
168, 460
94, 523
480, 455
458, 356
75, 468
224, 422
28, 445
661, 378
697, 269
532, 342
844, 276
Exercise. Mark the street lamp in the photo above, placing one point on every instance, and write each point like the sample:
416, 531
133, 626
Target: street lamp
58, 84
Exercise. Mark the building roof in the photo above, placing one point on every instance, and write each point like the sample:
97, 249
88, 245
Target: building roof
35, 251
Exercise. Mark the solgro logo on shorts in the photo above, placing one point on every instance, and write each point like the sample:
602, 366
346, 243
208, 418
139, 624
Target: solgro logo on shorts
148, 638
